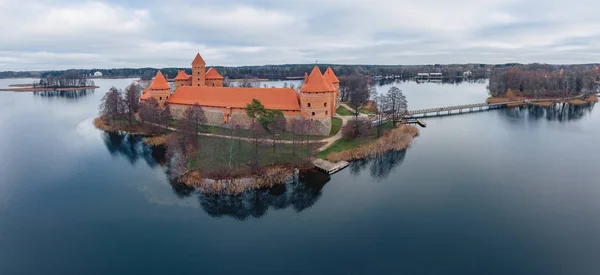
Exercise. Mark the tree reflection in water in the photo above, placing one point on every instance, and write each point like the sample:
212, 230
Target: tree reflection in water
132, 148
299, 194
68, 95
379, 166
561, 112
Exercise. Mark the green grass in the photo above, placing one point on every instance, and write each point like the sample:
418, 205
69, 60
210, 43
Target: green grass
336, 125
343, 111
343, 144
214, 154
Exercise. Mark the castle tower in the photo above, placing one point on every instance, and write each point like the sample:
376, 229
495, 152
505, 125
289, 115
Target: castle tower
159, 89
335, 82
213, 78
182, 79
198, 71
317, 97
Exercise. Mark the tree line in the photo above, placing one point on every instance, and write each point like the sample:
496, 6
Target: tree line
541, 80
274, 71
67, 80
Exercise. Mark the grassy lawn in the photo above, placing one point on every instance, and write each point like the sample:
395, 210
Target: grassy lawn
214, 154
336, 125
247, 133
343, 111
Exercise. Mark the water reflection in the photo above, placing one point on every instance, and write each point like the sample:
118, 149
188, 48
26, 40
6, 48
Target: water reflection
379, 166
71, 96
558, 112
299, 194
455, 81
132, 148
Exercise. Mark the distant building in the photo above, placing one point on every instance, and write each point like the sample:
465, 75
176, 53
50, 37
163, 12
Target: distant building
97, 74
467, 74
317, 100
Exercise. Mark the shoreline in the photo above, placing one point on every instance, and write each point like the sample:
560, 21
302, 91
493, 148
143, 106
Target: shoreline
543, 102
47, 89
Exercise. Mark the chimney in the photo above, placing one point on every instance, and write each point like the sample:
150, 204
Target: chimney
305, 77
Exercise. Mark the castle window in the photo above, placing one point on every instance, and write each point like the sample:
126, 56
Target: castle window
313, 113
325, 112
198, 79
160, 98
325, 104
308, 105
213, 84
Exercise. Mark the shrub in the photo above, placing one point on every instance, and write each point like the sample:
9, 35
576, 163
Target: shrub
356, 128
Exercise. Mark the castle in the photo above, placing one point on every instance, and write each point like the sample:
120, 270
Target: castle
316, 101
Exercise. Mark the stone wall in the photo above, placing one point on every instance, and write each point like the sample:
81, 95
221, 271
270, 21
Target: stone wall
215, 117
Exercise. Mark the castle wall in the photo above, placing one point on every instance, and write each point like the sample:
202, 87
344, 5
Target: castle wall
214, 82
317, 105
216, 116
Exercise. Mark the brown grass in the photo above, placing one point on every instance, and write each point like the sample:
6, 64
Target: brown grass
156, 140
592, 98
395, 140
266, 179
101, 124
544, 103
577, 102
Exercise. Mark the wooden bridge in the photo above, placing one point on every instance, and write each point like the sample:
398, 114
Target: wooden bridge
459, 109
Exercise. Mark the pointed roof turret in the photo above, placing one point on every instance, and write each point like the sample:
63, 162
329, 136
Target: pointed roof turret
316, 83
159, 82
213, 74
198, 60
181, 75
330, 76
145, 95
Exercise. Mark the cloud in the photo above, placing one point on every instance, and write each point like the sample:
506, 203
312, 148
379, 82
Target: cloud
59, 34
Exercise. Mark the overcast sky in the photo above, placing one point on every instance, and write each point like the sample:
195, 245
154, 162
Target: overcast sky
60, 34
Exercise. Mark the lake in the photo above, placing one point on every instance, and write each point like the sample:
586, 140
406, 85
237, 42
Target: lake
510, 191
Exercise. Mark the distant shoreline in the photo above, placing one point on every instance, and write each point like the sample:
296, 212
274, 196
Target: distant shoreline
47, 89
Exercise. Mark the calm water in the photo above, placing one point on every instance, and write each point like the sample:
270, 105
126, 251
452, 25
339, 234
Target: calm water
499, 192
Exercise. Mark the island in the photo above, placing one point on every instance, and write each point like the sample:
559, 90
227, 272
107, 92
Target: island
67, 82
227, 140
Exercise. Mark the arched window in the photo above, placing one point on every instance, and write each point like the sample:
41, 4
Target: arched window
308, 105
325, 112
313, 113
325, 104
160, 98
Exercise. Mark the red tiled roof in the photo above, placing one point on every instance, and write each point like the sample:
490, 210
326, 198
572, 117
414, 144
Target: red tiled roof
181, 75
198, 60
330, 76
159, 82
316, 83
213, 74
271, 98
145, 95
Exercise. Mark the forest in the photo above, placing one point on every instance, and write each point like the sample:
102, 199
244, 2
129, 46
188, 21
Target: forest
275, 71
542, 80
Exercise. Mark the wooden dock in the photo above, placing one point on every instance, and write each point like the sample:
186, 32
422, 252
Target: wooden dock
328, 167
416, 121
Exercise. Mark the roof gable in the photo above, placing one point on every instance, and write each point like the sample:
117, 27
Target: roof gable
316, 83
213, 74
159, 82
181, 75
198, 60
330, 76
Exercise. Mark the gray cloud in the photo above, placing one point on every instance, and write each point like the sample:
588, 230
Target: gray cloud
54, 34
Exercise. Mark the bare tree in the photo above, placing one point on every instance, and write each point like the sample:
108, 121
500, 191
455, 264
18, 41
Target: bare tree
191, 125
132, 101
150, 115
356, 88
112, 105
165, 117
395, 104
